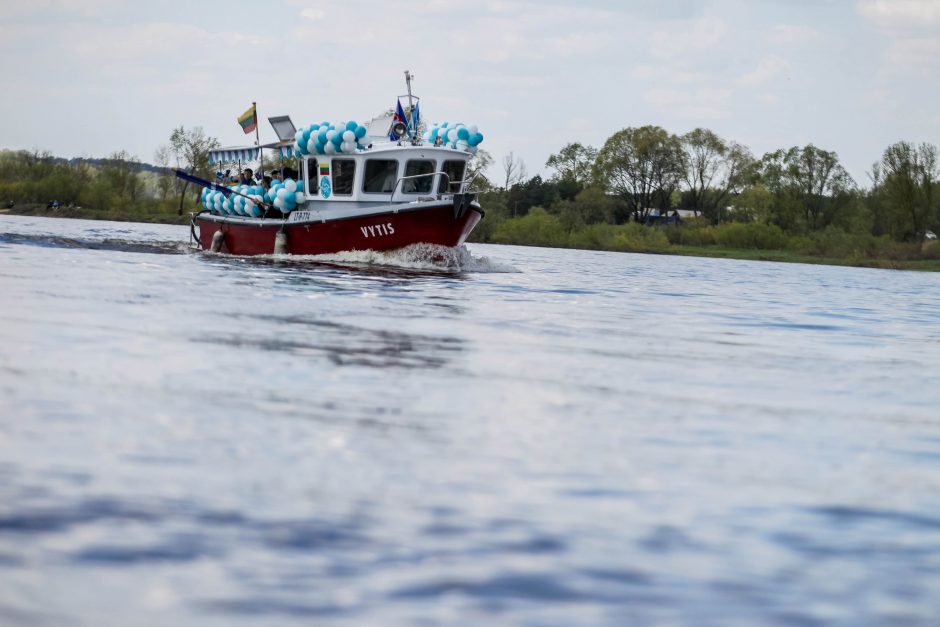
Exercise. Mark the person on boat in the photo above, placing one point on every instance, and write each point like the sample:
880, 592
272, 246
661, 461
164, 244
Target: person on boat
266, 182
247, 177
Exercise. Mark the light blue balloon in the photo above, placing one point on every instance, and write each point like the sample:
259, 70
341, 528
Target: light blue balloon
351, 126
337, 140
300, 186
463, 133
475, 139
321, 136
360, 131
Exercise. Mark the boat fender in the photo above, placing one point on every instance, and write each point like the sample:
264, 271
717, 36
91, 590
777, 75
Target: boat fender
218, 240
280, 243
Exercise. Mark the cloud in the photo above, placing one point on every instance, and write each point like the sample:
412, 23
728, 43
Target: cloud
768, 69
695, 104
789, 34
900, 13
689, 37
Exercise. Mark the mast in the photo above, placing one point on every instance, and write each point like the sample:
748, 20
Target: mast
411, 106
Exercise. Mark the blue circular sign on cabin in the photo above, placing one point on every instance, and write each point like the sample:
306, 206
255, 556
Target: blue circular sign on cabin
325, 188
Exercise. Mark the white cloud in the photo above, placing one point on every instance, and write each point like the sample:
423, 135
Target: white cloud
900, 13
789, 34
767, 70
313, 14
688, 37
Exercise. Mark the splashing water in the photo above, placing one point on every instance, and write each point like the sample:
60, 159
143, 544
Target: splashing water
431, 257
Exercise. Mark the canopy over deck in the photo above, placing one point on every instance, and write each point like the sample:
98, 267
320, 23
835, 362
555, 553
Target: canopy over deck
230, 154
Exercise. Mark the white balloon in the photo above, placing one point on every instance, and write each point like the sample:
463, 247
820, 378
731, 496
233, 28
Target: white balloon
312, 145
281, 193
299, 197
473, 129
298, 136
462, 145
290, 185
330, 148
349, 136
329, 134
452, 135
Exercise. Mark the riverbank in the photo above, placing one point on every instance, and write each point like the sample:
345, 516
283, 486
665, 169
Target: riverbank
84, 213
899, 260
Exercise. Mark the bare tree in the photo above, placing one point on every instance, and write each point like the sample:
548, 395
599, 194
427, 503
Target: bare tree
514, 170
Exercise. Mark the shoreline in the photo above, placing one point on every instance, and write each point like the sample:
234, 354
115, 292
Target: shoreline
710, 252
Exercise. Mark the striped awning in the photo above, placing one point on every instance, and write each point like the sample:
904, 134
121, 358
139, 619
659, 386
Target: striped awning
284, 150
238, 153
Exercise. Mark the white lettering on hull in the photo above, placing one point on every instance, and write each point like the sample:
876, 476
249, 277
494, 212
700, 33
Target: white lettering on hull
377, 230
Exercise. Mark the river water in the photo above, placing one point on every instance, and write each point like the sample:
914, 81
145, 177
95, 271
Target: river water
494, 435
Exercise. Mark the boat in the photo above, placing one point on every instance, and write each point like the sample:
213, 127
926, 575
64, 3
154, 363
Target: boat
378, 187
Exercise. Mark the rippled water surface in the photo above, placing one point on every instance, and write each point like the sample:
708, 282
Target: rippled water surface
497, 435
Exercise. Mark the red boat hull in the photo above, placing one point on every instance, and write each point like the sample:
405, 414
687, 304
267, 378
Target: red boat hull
386, 231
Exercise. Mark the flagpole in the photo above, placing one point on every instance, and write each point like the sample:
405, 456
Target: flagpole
411, 107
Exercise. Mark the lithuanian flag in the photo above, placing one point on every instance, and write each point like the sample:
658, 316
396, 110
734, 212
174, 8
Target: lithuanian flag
249, 119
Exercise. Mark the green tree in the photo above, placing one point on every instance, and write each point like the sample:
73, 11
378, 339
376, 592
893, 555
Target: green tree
805, 183
642, 166
573, 163
713, 171
906, 179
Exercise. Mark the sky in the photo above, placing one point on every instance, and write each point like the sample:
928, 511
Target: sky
91, 77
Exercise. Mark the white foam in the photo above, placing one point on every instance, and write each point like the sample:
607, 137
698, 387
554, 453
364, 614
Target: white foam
414, 257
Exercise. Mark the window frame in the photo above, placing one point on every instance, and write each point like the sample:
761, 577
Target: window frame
352, 181
429, 176
365, 178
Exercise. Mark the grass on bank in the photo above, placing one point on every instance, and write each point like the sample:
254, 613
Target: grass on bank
737, 240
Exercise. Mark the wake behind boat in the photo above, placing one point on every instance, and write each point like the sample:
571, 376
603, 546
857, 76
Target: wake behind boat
380, 187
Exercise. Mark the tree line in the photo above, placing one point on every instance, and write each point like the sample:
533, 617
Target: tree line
643, 174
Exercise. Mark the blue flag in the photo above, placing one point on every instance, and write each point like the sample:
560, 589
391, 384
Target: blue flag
399, 117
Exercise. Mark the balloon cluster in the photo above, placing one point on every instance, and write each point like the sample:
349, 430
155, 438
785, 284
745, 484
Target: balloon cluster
284, 196
457, 136
287, 195
329, 139
234, 205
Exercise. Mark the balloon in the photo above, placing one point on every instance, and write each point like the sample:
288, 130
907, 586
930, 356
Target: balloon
463, 133
311, 145
300, 184
452, 135
299, 198
330, 149
290, 185
475, 139
473, 129
349, 135
279, 203
361, 132
298, 135
330, 134
351, 126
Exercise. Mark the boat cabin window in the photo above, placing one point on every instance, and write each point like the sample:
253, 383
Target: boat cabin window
344, 171
421, 185
381, 176
453, 169
313, 180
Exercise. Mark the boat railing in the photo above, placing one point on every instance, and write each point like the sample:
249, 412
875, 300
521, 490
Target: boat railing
402, 179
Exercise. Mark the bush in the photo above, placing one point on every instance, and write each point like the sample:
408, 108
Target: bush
692, 235
751, 235
538, 228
